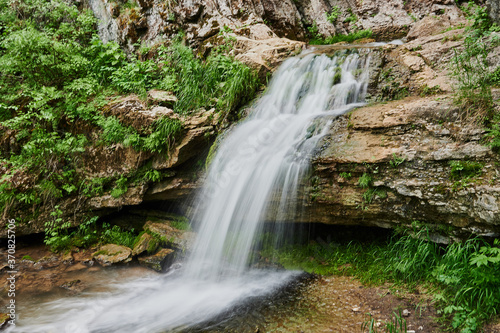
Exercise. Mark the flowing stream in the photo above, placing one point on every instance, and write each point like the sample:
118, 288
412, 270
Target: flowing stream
255, 176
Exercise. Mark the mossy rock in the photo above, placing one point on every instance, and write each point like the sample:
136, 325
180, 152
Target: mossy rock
145, 243
110, 254
159, 261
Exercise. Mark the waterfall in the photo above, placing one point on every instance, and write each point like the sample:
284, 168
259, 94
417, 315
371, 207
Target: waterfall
254, 177
270, 152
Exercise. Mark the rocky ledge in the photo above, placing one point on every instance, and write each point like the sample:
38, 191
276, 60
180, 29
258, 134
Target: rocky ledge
392, 164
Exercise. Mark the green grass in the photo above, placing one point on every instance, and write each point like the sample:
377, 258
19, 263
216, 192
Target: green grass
464, 276
317, 40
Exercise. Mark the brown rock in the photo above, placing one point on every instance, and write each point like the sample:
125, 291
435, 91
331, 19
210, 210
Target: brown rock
112, 254
159, 261
161, 98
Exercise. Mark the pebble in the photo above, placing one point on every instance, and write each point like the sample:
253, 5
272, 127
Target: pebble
406, 313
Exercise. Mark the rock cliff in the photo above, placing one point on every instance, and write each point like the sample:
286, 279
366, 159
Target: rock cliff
153, 21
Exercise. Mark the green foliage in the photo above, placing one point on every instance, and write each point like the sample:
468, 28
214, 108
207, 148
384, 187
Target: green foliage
333, 15
219, 81
465, 169
396, 160
59, 236
470, 66
115, 235
56, 231
365, 181
494, 133
121, 187
181, 224
317, 40
371, 193
471, 70
465, 275
352, 18
57, 75
165, 131
345, 175
425, 90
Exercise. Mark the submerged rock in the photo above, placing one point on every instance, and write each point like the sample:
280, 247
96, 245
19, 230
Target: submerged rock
159, 261
112, 254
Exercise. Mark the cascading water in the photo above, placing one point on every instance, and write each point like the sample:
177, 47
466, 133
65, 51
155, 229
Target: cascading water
254, 176
270, 151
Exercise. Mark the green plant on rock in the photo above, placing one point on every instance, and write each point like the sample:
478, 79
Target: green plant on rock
396, 160
352, 18
333, 15
121, 187
471, 70
365, 181
345, 175
465, 169
319, 40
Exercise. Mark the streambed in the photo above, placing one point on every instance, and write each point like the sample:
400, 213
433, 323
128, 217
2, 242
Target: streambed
52, 287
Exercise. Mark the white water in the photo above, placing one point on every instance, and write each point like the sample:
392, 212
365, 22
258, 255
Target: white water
254, 176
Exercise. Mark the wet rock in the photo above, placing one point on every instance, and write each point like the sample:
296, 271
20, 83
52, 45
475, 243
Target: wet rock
159, 261
420, 188
74, 286
161, 98
67, 258
145, 243
110, 254
46, 262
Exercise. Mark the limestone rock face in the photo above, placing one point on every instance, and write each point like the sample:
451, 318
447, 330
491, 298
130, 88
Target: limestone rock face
155, 20
406, 147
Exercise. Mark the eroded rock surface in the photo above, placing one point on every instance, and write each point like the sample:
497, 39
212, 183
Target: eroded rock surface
406, 148
154, 20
